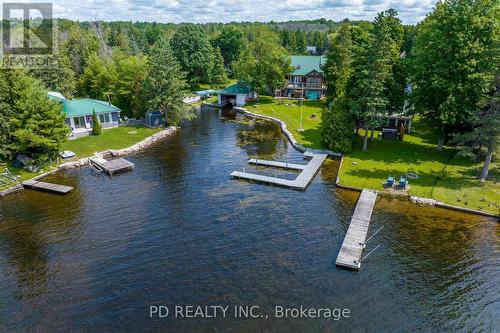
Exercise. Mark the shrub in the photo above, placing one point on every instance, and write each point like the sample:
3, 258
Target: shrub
96, 125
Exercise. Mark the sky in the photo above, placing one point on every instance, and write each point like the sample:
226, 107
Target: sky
203, 11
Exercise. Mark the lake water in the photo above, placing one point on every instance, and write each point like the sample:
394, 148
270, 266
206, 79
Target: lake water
179, 231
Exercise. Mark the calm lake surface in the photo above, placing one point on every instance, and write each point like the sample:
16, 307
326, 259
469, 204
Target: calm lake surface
179, 231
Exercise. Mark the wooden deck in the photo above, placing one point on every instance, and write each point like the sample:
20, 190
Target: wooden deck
299, 183
111, 166
353, 245
48, 187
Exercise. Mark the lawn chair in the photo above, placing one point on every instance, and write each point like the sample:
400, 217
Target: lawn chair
403, 182
390, 181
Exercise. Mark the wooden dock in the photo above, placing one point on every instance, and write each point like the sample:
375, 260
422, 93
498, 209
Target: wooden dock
299, 183
354, 241
277, 164
48, 187
111, 166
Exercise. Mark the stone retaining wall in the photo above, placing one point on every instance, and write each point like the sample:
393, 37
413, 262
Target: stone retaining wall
276, 121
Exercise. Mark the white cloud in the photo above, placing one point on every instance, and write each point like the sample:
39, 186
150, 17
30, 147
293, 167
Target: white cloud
201, 11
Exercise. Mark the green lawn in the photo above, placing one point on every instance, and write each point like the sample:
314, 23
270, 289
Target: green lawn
289, 112
113, 138
24, 174
442, 175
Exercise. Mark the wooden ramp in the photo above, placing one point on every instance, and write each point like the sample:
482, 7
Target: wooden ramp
353, 245
111, 166
48, 187
299, 183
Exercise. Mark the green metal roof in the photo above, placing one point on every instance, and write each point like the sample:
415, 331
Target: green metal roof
304, 65
238, 88
86, 106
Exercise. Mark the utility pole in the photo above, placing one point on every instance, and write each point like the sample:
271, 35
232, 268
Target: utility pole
301, 109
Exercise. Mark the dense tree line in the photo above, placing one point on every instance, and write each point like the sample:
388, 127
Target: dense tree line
449, 65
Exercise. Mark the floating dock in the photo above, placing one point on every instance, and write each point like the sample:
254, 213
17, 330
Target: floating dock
111, 166
48, 187
299, 183
354, 241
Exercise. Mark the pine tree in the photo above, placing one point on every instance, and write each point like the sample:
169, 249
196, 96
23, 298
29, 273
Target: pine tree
166, 86
218, 75
301, 42
36, 124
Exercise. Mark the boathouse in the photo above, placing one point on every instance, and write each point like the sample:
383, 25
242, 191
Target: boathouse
237, 95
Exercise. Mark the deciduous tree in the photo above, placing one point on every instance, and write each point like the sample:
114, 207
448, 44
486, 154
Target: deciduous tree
264, 64
191, 47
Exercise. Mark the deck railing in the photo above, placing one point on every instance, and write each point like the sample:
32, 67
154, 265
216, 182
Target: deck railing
317, 85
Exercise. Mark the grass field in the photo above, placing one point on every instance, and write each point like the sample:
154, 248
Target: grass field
443, 176
113, 138
289, 112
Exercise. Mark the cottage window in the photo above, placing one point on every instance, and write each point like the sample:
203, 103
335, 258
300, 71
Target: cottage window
104, 118
79, 122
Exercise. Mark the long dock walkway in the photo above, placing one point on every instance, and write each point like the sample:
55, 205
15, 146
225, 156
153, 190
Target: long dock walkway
111, 166
299, 183
353, 245
48, 187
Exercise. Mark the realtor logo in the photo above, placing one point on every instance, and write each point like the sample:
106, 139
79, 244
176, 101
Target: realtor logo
29, 36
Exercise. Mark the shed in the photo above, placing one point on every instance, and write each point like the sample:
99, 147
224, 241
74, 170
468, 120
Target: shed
154, 119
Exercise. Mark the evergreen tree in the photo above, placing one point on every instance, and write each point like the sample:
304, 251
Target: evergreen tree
374, 69
396, 82
35, 123
301, 47
7, 79
96, 125
165, 87
218, 75
338, 123
337, 128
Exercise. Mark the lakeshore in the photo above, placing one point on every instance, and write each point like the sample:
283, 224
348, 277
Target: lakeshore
447, 178
88, 145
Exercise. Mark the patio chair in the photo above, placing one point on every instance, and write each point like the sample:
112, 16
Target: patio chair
390, 181
403, 182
